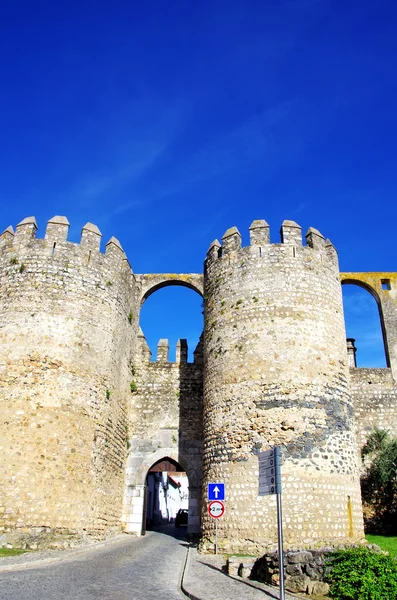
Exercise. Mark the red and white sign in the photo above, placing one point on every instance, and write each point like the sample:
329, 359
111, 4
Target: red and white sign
216, 509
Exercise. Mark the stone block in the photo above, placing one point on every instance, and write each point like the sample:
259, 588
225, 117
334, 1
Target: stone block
318, 588
297, 583
293, 570
300, 557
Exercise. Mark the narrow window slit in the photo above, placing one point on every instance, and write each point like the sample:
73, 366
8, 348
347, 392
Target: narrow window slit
53, 248
89, 257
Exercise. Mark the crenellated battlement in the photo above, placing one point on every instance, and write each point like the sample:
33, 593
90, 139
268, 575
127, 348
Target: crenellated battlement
290, 238
23, 246
163, 348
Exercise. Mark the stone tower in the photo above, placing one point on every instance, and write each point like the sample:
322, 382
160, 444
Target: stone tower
276, 373
66, 339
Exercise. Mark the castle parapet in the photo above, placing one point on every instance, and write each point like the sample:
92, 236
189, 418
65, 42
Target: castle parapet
26, 231
259, 233
331, 252
290, 236
7, 237
199, 352
213, 251
28, 249
91, 237
57, 229
231, 240
291, 233
114, 251
163, 348
181, 351
314, 238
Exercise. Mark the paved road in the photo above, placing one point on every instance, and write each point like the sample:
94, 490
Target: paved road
147, 568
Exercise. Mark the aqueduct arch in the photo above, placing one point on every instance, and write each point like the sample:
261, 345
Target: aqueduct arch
382, 286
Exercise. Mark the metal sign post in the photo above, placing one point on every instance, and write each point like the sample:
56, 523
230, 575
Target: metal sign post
279, 521
270, 483
216, 509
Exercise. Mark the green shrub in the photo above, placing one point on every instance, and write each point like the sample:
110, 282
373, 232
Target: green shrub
362, 574
133, 386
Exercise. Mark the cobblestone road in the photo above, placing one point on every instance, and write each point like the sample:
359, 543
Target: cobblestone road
147, 568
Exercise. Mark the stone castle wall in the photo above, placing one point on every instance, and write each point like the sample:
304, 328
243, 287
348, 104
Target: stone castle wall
276, 374
374, 393
64, 381
165, 420
85, 413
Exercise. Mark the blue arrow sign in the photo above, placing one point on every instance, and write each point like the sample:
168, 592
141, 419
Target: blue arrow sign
216, 491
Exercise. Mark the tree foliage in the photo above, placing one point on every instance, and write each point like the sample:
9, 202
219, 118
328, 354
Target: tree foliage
379, 482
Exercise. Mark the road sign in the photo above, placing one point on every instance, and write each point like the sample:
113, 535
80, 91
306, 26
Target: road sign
216, 491
216, 509
268, 479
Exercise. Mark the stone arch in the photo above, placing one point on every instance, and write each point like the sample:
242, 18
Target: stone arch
135, 489
371, 288
148, 285
155, 281
155, 457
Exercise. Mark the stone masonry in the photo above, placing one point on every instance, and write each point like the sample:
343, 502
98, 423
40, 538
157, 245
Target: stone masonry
85, 413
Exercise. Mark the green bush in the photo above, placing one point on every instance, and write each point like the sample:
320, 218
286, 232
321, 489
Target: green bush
362, 574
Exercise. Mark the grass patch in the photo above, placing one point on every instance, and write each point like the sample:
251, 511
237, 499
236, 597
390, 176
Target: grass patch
387, 543
10, 552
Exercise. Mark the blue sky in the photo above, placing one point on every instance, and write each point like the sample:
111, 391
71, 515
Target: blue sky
165, 123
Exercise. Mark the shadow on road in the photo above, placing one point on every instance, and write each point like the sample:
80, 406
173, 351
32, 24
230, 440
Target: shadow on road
179, 533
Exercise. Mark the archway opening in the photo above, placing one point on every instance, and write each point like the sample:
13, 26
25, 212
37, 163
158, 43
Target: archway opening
172, 312
364, 324
167, 496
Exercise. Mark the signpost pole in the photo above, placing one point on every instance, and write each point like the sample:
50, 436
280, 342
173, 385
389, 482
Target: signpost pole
216, 536
279, 522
